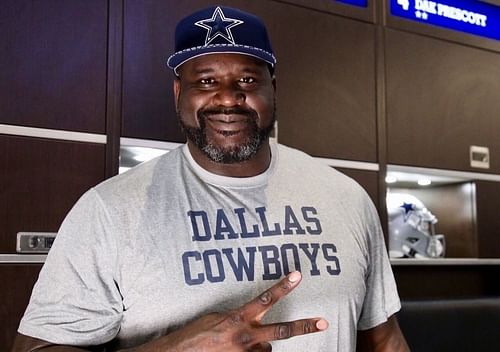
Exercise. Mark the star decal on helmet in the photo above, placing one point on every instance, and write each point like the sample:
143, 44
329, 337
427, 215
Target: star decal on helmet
407, 207
218, 26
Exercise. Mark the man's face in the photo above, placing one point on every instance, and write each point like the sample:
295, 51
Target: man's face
225, 104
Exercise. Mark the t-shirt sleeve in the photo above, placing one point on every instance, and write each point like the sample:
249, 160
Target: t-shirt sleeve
76, 300
381, 299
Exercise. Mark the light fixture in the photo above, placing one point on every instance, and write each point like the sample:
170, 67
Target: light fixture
391, 179
424, 182
145, 154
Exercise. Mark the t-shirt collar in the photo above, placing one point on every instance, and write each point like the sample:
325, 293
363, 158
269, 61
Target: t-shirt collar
233, 182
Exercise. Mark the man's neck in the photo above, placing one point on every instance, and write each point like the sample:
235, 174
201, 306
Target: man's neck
253, 167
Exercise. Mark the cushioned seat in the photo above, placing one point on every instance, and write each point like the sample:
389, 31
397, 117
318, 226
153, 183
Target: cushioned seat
470, 325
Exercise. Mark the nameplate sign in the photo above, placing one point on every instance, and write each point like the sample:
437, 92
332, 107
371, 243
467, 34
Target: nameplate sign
359, 3
468, 16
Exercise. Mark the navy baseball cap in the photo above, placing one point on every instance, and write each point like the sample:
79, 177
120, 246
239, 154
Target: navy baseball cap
218, 30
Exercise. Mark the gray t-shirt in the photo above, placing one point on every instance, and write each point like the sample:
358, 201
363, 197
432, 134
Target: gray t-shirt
147, 251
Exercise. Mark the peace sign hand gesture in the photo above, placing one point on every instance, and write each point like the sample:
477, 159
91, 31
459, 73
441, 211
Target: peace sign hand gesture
240, 329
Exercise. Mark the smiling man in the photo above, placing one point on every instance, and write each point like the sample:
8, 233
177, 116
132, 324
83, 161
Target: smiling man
225, 104
200, 249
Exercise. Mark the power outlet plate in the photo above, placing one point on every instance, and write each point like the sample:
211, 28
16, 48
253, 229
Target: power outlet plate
479, 157
34, 242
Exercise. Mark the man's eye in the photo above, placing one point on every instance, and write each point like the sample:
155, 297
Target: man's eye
247, 80
207, 81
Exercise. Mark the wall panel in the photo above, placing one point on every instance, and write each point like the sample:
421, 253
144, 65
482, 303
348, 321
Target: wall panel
488, 219
40, 181
148, 102
326, 88
441, 99
17, 282
53, 64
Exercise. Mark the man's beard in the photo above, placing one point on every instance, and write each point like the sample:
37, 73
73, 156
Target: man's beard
232, 154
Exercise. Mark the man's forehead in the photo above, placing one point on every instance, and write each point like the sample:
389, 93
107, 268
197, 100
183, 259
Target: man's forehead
215, 62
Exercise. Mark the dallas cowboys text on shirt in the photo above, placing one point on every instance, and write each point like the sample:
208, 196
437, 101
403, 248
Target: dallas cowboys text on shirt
214, 265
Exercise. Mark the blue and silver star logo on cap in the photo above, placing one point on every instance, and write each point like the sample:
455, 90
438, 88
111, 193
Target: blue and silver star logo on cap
218, 26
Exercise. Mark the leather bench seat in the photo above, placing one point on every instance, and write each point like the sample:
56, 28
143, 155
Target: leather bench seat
471, 325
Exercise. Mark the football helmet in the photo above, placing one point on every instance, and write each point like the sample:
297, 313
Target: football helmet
412, 228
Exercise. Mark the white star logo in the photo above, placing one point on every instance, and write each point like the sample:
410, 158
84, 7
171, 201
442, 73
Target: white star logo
218, 26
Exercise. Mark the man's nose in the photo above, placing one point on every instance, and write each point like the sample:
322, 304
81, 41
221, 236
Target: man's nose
229, 95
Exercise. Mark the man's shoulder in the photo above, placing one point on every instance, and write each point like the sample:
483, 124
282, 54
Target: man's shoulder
140, 178
301, 171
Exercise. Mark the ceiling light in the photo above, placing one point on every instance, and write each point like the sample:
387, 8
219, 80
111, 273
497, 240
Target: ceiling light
391, 179
424, 181
145, 154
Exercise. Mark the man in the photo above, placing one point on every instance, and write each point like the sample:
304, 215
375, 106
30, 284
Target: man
229, 223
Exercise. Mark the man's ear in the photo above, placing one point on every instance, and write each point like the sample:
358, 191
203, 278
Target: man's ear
177, 92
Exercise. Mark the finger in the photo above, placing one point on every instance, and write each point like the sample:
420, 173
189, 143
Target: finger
280, 331
261, 347
258, 307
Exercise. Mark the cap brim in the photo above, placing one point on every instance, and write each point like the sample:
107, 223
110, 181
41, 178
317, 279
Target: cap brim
181, 57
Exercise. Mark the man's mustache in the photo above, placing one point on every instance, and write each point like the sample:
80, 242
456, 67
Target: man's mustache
228, 111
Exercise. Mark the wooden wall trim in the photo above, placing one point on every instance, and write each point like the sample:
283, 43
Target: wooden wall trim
381, 111
466, 175
52, 134
350, 164
148, 143
114, 85
445, 261
22, 258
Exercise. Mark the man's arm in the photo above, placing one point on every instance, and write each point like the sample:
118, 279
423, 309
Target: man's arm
235, 331
386, 337
24, 343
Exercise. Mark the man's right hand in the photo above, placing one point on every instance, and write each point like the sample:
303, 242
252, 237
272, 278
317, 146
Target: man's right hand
237, 330
241, 329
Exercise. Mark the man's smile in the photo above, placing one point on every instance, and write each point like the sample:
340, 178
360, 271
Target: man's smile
228, 124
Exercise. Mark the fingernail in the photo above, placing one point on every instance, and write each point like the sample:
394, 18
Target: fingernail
322, 324
294, 277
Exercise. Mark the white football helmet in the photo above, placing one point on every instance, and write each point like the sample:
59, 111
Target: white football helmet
411, 228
